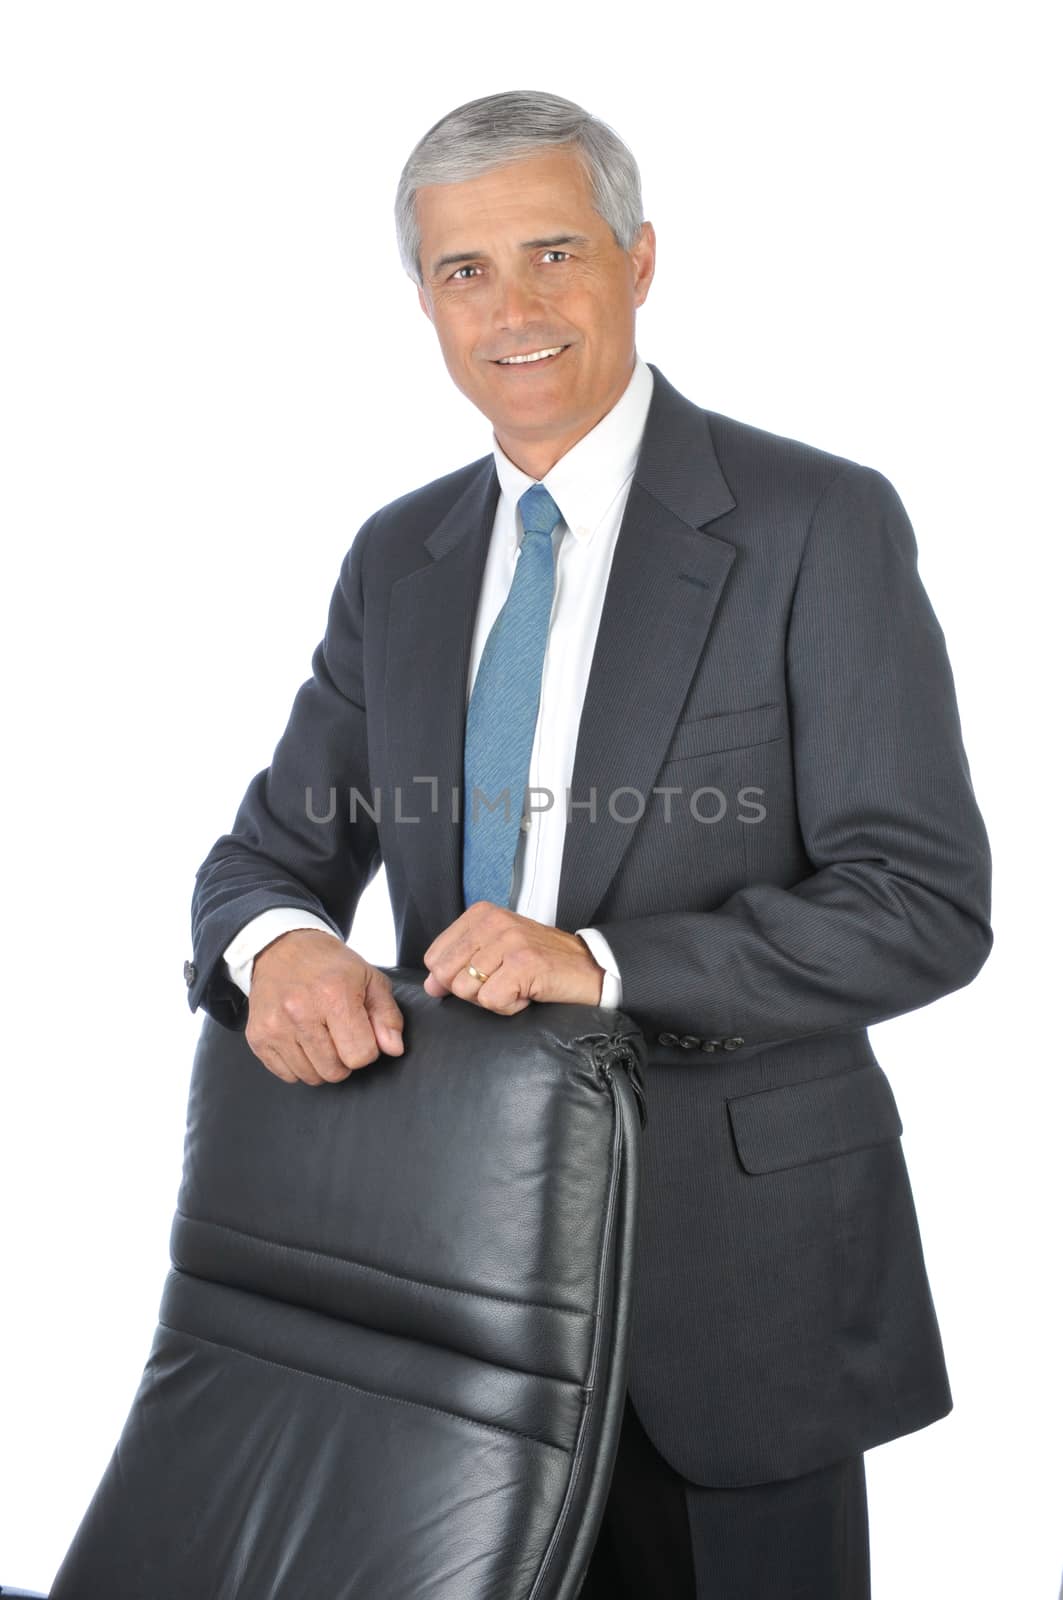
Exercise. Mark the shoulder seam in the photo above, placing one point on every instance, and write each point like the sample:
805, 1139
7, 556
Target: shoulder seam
852, 466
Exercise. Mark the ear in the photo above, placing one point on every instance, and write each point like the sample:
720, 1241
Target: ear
644, 256
424, 303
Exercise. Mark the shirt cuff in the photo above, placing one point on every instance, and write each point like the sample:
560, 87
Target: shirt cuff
239, 955
598, 945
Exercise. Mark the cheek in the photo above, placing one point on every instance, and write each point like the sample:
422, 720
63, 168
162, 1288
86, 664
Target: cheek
587, 309
606, 302
456, 323
458, 343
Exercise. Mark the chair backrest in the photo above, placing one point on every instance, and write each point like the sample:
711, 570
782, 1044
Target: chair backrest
392, 1349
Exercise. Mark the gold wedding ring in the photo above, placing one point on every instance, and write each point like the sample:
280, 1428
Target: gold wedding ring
474, 972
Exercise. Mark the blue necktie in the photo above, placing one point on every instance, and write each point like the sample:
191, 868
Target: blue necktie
503, 707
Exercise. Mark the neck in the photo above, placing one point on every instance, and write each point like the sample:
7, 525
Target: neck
537, 456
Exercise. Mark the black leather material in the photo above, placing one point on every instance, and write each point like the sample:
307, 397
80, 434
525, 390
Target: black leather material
392, 1351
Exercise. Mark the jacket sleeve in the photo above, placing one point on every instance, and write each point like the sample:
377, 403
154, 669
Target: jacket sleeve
897, 911
305, 832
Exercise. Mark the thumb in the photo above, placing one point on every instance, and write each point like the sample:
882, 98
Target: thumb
384, 1015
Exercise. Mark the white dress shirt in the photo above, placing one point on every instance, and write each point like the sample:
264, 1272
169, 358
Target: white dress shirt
589, 485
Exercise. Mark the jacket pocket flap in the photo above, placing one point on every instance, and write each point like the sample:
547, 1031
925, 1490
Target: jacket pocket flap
726, 730
799, 1122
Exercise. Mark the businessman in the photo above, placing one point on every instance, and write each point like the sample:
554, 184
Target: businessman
646, 707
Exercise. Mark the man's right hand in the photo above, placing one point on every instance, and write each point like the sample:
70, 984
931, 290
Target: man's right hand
317, 1010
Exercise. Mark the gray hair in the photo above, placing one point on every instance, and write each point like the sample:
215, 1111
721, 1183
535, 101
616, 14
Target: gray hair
498, 128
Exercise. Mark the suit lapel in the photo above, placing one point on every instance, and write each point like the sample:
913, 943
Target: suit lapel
430, 624
664, 585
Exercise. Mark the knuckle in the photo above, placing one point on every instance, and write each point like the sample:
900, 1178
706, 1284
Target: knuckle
359, 1056
261, 1048
295, 1006
275, 1065
265, 1026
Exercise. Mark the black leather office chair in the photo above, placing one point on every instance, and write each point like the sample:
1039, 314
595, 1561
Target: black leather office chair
392, 1349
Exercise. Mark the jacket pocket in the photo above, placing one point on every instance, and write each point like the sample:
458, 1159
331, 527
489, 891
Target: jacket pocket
813, 1120
726, 730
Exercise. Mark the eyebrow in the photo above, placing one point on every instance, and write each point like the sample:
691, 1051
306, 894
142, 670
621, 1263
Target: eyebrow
459, 256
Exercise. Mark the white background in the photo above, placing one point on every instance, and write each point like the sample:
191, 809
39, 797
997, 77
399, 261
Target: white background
214, 369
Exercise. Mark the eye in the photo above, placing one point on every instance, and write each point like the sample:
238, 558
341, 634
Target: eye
470, 268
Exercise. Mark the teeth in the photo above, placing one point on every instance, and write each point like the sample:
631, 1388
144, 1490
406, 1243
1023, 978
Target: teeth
536, 355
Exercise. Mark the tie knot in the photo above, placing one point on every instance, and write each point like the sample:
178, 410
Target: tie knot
538, 510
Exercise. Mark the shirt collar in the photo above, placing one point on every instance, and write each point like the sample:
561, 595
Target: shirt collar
588, 477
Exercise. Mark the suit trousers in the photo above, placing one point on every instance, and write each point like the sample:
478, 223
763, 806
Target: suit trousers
661, 1535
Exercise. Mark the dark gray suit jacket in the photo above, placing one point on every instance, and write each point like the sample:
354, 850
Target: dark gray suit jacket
766, 649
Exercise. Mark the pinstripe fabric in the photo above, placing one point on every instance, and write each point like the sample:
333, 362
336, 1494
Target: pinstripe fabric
805, 1538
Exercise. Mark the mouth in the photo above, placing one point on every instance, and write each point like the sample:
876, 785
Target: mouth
532, 360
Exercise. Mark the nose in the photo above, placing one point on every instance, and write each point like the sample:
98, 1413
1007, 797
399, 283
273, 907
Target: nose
517, 302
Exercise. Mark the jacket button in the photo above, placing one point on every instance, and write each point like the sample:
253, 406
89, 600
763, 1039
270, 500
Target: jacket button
689, 1040
190, 973
732, 1044
709, 1045
667, 1038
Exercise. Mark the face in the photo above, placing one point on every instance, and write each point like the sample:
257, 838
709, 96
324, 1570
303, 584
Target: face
517, 261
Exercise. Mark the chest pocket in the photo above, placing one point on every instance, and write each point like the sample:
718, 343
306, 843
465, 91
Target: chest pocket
727, 730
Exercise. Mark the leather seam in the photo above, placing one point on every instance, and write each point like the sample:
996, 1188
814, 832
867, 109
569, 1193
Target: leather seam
397, 1277
377, 1394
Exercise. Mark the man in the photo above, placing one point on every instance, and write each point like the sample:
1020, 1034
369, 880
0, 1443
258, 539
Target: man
700, 660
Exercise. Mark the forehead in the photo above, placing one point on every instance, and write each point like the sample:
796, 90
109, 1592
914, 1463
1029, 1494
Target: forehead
549, 188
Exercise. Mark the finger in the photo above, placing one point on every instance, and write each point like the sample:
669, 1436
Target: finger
466, 987
385, 1019
453, 949
496, 990
507, 1010
507, 989
353, 1039
274, 1062
298, 1063
315, 1041
442, 946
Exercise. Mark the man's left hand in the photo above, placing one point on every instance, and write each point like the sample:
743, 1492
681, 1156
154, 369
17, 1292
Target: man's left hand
524, 960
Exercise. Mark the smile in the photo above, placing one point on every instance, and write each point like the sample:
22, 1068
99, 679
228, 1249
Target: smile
533, 358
